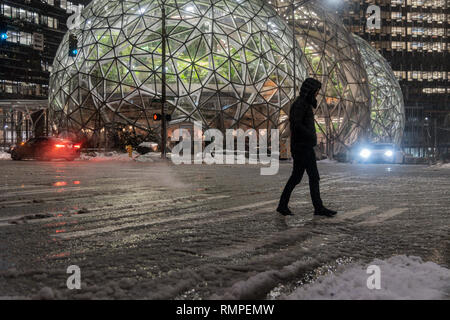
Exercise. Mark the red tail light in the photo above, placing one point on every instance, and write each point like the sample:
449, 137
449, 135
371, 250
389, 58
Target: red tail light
60, 145
77, 146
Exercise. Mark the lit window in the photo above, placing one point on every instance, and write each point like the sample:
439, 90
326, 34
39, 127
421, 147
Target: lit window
396, 15
397, 2
6, 10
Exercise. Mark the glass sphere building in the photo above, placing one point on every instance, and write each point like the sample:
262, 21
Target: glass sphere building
333, 58
387, 109
229, 64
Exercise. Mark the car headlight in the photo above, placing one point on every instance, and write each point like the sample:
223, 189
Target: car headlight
388, 153
365, 153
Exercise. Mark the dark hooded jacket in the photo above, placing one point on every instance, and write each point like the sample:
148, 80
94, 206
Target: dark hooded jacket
301, 117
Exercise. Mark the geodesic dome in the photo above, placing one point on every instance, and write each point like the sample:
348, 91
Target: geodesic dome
229, 65
342, 115
387, 111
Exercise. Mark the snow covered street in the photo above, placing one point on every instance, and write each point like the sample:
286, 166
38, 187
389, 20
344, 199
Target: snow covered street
153, 230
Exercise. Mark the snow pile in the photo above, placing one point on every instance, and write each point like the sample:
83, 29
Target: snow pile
151, 145
439, 165
150, 157
45, 293
116, 156
13, 298
402, 277
251, 288
107, 156
4, 156
326, 160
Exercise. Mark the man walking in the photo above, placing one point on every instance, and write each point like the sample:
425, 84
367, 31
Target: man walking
303, 140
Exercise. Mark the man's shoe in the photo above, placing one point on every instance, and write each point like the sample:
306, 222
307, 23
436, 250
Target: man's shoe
325, 212
285, 211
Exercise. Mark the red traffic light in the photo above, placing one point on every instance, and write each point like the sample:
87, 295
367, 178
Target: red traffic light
158, 117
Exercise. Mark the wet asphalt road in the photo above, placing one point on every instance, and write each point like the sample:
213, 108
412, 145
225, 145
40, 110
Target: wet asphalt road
156, 230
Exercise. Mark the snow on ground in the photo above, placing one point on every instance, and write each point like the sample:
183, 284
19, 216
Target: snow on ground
249, 288
150, 145
439, 166
150, 157
116, 156
107, 156
4, 156
217, 231
328, 161
402, 277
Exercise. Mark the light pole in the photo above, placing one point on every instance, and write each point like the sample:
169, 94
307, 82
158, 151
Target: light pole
163, 80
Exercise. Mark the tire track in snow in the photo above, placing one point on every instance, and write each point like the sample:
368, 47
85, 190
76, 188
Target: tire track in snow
285, 236
67, 189
120, 211
180, 218
292, 232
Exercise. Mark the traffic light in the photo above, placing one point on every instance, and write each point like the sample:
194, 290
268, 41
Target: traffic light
3, 32
158, 117
73, 45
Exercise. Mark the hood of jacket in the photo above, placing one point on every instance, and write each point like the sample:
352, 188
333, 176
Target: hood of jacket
308, 91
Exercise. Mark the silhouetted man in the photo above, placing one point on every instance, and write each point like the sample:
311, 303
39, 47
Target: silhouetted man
303, 140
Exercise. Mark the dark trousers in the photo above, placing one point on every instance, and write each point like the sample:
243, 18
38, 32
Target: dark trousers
304, 159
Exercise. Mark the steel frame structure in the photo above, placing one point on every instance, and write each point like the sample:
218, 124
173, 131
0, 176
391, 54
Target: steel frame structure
387, 109
229, 64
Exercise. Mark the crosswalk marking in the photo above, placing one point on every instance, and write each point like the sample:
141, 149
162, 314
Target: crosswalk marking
99, 212
156, 221
352, 214
382, 217
209, 219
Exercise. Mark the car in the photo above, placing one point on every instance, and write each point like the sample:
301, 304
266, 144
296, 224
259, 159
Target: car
46, 148
378, 152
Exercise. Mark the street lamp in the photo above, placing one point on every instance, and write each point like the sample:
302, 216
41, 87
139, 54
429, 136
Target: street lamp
163, 80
